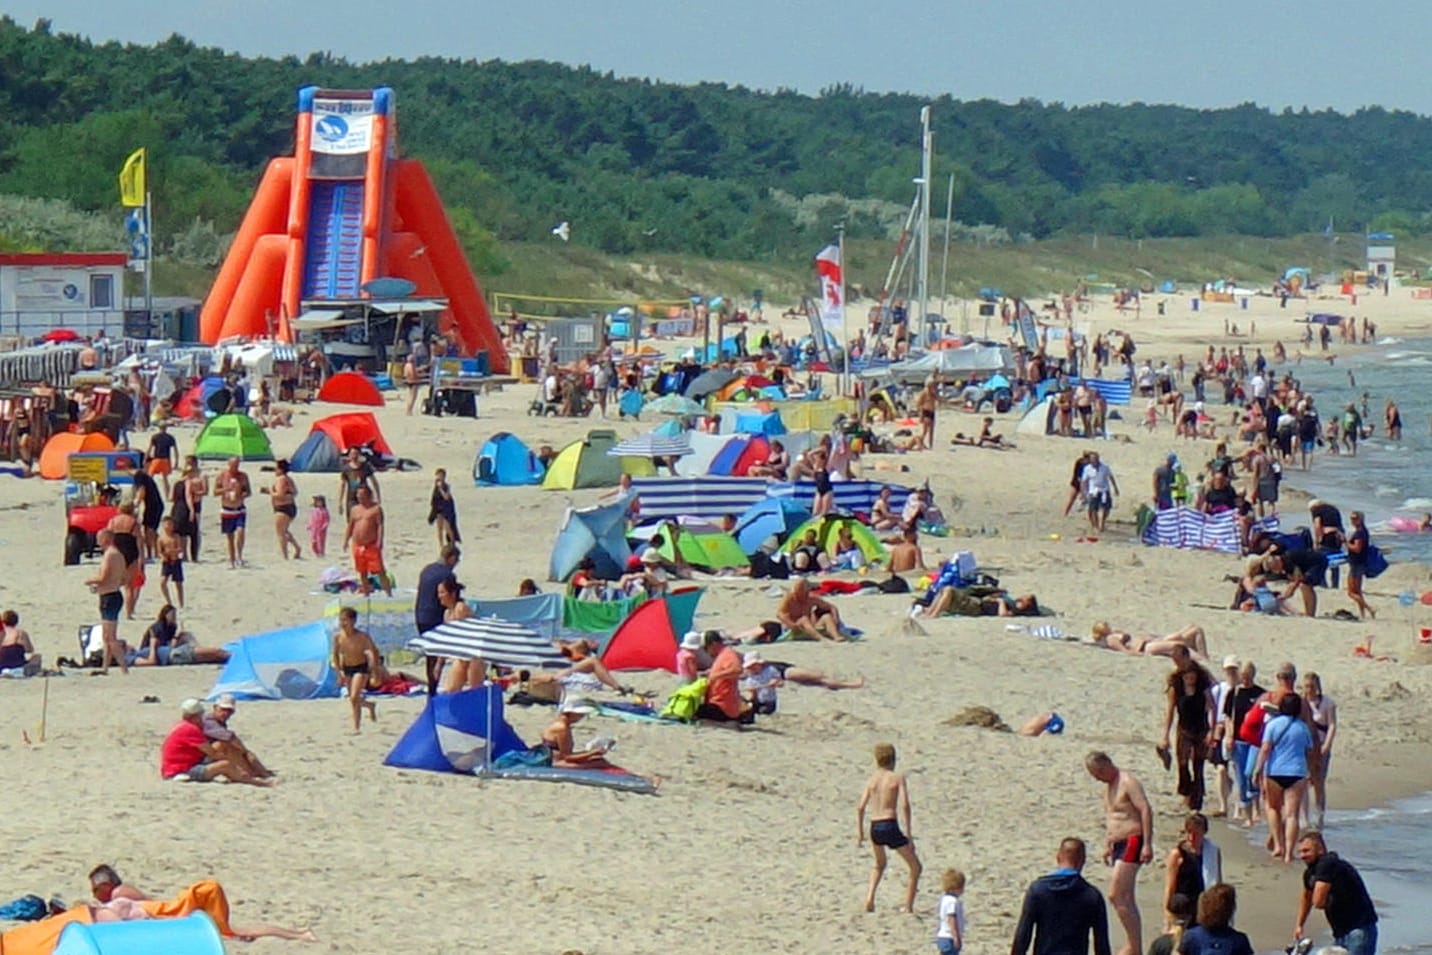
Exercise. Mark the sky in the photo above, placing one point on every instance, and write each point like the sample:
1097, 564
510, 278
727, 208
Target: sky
1204, 53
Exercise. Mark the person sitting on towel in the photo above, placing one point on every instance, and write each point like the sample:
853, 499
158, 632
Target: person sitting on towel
558, 739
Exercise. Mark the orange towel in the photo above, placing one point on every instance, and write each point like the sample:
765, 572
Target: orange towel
207, 896
40, 938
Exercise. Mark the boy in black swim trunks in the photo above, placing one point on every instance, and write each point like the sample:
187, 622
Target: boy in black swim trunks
887, 795
355, 656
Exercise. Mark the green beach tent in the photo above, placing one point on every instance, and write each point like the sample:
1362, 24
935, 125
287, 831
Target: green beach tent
827, 526
585, 463
232, 436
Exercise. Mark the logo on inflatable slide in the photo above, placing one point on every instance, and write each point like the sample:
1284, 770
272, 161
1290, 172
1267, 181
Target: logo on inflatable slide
331, 128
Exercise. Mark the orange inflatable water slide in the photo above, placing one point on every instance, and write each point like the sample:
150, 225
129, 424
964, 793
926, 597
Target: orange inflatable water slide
341, 212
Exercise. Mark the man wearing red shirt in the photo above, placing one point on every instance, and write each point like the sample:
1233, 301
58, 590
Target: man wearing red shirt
723, 699
187, 755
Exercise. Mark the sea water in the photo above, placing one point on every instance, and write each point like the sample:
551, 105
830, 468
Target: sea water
1390, 845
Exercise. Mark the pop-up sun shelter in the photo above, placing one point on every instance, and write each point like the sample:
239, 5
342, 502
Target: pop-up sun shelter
647, 638
505, 460
595, 532
585, 463
288, 664
828, 526
331, 437
702, 543
351, 388
771, 517
467, 732
232, 436
739, 454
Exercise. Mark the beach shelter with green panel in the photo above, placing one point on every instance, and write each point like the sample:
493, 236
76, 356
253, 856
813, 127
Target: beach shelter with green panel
232, 436
585, 463
705, 545
828, 526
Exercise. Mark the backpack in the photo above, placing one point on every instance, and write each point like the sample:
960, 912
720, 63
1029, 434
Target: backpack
684, 701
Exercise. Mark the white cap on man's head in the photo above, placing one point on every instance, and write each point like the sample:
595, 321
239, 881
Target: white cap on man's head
225, 701
692, 640
1231, 662
191, 707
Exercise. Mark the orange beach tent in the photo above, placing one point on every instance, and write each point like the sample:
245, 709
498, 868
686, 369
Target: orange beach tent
54, 459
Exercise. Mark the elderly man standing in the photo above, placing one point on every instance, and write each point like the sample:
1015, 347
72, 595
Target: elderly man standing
227, 742
188, 756
428, 609
234, 490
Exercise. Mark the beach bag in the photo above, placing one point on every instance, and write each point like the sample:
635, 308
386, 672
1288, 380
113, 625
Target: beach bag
684, 701
1251, 730
1374, 562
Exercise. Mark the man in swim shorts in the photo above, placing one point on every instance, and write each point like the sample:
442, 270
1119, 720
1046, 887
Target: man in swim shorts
234, 489
887, 796
365, 537
1128, 843
108, 587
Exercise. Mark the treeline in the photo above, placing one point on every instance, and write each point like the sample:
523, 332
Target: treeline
710, 170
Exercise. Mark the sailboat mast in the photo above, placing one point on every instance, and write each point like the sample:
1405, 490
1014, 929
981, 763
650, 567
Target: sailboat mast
923, 291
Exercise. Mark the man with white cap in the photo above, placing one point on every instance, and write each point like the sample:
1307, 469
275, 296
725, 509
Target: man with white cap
188, 756
227, 742
759, 682
651, 578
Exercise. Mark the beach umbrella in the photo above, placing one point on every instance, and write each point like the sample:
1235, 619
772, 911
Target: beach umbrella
674, 405
709, 382
60, 335
490, 639
651, 444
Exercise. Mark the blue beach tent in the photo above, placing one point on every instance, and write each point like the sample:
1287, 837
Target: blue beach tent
288, 664
456, 733
768, 423
505, 460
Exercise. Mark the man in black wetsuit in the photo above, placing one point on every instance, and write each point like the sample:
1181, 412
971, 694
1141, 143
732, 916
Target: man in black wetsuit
1061, 910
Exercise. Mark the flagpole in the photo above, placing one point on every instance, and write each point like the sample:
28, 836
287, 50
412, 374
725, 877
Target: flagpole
844, 312
148, 260
923, 277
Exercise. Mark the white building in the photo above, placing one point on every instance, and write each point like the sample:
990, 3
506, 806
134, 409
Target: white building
83, 291
1381, 255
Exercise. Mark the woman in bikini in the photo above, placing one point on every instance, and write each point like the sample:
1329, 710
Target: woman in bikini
1323, 718
1190, 638
284, 498
463, 674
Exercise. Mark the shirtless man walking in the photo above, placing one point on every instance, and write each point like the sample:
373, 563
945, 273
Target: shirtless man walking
108, 586
886, 796
1129, 841
234, 489
365, 537
355, 656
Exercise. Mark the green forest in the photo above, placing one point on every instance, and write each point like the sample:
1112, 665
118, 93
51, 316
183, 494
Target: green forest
715, 171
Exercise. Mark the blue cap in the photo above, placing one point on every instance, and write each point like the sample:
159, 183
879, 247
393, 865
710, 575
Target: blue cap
1055, 725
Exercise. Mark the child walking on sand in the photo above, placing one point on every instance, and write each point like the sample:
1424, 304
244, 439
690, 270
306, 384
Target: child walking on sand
355, 656
886, 795
318, 525
950, 936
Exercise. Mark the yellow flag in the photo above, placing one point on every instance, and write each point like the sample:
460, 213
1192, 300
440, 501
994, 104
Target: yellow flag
132, 182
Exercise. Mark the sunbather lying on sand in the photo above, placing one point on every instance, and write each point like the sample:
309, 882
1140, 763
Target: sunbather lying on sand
981, 602
1190, 638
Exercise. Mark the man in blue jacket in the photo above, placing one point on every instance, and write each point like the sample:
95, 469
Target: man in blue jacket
1061, 910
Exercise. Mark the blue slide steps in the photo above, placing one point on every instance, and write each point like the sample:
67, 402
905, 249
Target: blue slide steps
335, 239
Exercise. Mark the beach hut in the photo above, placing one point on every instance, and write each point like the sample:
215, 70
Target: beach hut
828, 526
505, 460
773, 517
232, 436
351, 388
585, 463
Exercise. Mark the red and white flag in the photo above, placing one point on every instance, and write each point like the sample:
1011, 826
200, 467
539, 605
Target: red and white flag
832, 289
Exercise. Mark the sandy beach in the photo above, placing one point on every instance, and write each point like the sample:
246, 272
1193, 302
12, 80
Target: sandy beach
751, 843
